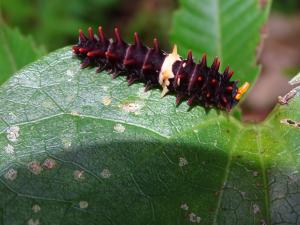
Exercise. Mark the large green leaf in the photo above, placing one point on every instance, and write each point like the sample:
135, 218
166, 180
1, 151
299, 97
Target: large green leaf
228, 29
15, 51
79, 148
53, 23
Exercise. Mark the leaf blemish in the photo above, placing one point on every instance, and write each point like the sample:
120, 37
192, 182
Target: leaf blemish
255, 208
9, 149
35, 167
13, 133
75, 113
106, 100
67, 143
255, 173
133, 107
83, 204
184, 206
49, 163
119, 128
105, 88
36, 208
194, 218
105, 173
182, 162
70, 73
33, 222
78, 175
11, 174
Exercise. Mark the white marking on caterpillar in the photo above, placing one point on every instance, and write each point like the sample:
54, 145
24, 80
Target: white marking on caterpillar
166, 71
178, 81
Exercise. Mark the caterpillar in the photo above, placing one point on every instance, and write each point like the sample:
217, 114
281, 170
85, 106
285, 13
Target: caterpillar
197, 83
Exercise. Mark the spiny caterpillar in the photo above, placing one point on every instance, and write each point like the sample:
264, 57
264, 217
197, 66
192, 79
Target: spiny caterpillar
196, 83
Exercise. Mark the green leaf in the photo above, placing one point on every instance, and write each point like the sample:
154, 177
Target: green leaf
52, 23
15, 51
77, 147
227, 29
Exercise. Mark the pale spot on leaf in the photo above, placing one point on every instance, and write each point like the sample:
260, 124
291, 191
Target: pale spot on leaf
67, 143
182, 162
194, 218
36, 208
106, 100
105, 88
74, 113
133, 107
70, 73
49, 163
9, 149
13, 133
78, 175
184, 206
11, 174
256, 208
33, 222
105, 173
83, 204
119, 128
12, 116
35, 167
255, 173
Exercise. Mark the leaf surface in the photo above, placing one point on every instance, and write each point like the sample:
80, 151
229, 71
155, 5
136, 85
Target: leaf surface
228, 29
15, 51
77, 147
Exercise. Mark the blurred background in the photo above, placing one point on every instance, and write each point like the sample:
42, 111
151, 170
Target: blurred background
54, 25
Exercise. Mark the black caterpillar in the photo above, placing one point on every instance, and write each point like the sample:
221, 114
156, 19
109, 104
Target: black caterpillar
196, 83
